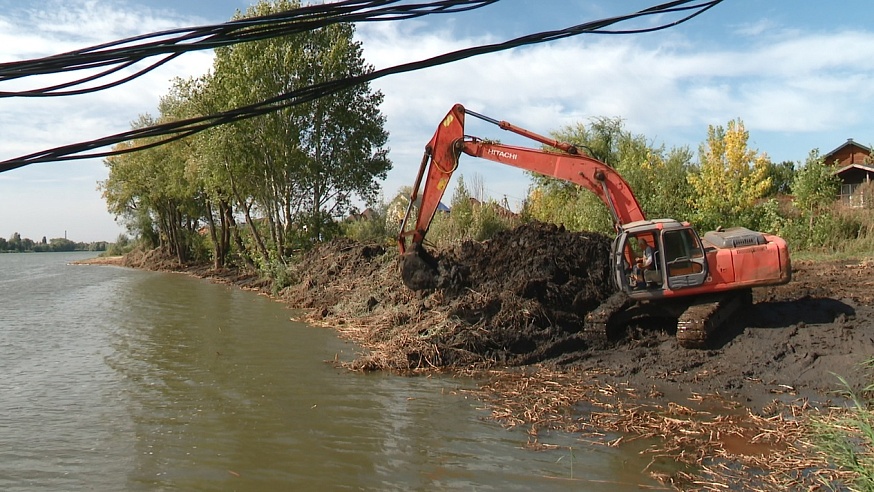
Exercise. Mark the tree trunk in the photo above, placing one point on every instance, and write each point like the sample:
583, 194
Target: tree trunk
218, 256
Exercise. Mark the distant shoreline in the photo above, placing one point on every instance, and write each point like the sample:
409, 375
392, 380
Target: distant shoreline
102, 260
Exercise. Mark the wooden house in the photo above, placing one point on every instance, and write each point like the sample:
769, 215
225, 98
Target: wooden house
855, 167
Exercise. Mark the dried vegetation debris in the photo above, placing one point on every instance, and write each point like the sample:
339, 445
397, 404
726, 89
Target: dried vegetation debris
705, 444
498, 302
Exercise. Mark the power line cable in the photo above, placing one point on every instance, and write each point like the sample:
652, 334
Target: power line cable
114, 57
183, 128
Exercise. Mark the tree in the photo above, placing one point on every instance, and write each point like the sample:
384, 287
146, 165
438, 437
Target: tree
815, 186
15, 242
26, 244
305, 164
656, 176
781, 176
602, 139
461, 211
557, 201
151, 190
730, 178
291, 170
62, 244
212, 196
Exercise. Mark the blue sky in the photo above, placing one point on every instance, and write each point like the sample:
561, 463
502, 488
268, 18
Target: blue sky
800, 74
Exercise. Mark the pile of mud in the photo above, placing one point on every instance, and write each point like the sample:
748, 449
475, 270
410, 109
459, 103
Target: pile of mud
520, 298
500, 301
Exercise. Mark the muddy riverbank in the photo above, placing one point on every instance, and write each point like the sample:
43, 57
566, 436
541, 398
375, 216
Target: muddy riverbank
505, 300
507, 310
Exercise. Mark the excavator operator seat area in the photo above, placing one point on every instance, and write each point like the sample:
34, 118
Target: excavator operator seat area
653, 276
683, 254
642, 276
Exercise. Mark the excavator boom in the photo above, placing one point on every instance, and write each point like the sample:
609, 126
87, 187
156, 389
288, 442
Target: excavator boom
449, 141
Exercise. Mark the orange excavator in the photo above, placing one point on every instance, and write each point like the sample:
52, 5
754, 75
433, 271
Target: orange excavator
699, 281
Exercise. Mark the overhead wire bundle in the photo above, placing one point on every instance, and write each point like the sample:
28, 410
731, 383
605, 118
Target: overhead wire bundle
121, 54
118, 55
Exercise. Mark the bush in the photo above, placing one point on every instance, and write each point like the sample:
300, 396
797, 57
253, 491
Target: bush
377, 228
834, 230
478, 222
488, 221
122, 246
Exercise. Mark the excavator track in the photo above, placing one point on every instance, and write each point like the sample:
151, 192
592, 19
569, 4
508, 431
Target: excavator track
597, 327
698, 323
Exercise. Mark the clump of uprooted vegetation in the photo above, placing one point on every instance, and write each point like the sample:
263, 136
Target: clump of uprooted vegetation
501, 301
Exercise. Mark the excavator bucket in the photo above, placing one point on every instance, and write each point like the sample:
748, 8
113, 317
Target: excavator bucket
419, 269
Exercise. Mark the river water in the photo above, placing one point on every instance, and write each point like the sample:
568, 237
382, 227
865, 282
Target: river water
114, 379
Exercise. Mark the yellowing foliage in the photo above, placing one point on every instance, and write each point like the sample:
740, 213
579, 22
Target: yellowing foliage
731, 177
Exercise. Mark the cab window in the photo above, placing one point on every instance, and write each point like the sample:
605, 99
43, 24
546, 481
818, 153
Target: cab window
681, 249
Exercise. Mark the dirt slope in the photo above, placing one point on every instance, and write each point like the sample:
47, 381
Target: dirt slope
501, 303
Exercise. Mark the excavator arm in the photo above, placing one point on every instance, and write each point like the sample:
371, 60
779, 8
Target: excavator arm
440, 161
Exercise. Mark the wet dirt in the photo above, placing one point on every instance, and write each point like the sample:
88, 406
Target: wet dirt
520, 298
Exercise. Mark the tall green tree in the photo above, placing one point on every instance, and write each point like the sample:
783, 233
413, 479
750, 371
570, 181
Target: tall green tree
656, 176
306, 164
782, 174
557, 201
205, 159
292, 170
151, 191
128, 190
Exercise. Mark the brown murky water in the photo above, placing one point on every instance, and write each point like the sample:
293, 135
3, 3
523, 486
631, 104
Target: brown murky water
116, 379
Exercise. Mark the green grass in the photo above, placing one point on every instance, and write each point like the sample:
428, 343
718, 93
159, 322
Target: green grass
848, 438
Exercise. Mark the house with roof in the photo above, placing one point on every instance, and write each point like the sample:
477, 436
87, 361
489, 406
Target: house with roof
854, 167
397, 208
501, 209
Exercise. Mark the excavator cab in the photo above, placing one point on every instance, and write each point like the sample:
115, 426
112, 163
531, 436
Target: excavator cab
678, 258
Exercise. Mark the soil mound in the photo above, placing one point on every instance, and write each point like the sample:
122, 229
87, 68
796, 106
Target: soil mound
497, 302
521, 291
520, 298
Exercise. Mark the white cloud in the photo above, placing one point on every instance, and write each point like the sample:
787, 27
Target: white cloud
798, 83
43, 198
789, 87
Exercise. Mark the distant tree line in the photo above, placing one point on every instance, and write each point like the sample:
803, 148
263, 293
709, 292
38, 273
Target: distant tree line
17, 244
